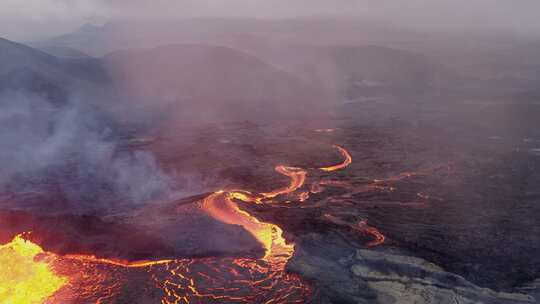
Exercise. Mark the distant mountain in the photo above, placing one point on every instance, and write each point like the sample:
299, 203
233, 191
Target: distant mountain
266, 68
117, 35
88, 39
204, 82
23, 68
474, 54
383, 64
209, 79
350, 71
346, 58
64, 52
382, 70
197, 81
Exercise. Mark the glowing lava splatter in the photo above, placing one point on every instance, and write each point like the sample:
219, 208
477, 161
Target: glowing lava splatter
24, 278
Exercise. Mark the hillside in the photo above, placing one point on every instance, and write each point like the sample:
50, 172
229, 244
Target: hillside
209, 79
23, 68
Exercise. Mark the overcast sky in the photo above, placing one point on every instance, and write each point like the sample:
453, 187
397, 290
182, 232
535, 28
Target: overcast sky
24, 20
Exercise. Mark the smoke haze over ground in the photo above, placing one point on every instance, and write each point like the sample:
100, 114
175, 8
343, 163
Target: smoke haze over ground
74, 150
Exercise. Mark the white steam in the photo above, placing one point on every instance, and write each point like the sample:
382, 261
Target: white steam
73, 152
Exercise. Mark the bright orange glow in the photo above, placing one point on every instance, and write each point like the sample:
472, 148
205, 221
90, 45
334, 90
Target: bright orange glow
243, 196
362, 227
346, 162
221, 207
121, 263
23, 278
379, 238
297, 176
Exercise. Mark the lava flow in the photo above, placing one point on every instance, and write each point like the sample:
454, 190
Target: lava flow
297, 176
90, 279
362, 227
346, 162
221, 206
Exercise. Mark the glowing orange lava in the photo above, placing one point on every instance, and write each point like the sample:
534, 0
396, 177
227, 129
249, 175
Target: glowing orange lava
24, 279
346, 162
297, 176
221, 206
362, 227
128, 264
27, 278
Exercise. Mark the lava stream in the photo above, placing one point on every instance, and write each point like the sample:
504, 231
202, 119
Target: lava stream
297, 176
121, 263
346, 162
221, 206
90, 279
362, 227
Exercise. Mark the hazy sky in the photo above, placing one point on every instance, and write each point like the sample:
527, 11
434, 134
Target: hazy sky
35, 19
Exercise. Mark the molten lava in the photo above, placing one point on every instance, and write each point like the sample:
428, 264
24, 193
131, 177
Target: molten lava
24, 278
121, 263
346, 162
30, 275
297, 176
362, 227
221, 206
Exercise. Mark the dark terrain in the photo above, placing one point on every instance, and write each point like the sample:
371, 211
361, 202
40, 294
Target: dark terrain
446, 162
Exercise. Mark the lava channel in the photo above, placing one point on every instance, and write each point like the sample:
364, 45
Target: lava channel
31, 275
346, 162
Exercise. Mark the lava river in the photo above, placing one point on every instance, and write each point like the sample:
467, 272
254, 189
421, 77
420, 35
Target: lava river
28, 274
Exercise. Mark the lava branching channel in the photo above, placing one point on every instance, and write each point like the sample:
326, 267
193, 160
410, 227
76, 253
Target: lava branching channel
28, 274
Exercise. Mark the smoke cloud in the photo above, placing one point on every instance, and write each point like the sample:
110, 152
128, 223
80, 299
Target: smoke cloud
71, 152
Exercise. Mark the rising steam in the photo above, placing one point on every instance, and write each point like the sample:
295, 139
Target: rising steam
73, 150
